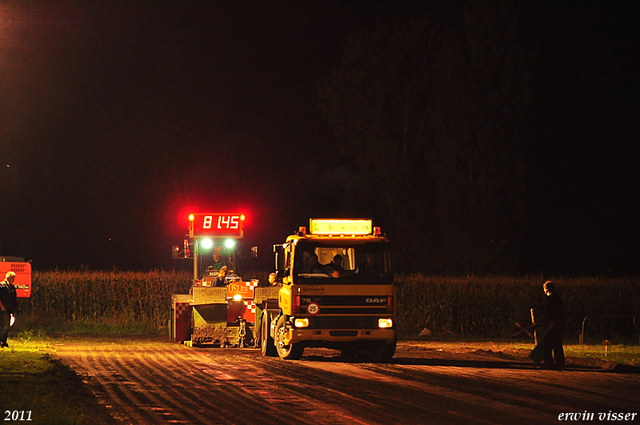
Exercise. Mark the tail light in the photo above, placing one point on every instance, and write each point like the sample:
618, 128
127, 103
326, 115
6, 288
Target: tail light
296, 304
390, 304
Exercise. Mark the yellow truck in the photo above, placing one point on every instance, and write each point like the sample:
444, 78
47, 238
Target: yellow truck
336, 291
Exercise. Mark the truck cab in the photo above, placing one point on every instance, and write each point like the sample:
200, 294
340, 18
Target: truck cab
337, 292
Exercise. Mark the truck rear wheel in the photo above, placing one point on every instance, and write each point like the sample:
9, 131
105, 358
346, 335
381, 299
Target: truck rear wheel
266, 342
286, 351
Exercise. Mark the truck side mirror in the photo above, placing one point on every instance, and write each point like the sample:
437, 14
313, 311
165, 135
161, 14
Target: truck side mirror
279, 257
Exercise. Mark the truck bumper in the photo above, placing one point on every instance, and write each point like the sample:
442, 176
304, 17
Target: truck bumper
354, 335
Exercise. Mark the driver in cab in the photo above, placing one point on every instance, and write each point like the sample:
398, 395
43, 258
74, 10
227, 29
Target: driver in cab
369, 267
312, 265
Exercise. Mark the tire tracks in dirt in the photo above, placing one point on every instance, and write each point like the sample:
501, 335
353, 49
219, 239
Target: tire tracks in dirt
163, 382
179, 385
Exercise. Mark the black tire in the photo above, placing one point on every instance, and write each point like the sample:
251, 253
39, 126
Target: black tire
384, 352
267, 347
348, 354
290, 351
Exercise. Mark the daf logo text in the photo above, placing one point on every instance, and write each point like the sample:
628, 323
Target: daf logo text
376, 300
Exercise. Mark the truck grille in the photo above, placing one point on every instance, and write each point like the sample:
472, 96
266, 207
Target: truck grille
343, 333
334, 304
343, 323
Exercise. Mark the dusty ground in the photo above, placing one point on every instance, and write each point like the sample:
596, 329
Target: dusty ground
157, 382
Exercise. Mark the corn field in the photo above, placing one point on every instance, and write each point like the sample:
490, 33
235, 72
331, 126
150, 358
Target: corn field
492, 305
126, 297
472, 305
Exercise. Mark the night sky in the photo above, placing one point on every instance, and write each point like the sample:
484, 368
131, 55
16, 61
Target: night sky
117, 118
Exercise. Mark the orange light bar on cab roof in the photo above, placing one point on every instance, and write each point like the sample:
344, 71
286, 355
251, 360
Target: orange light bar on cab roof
336, 226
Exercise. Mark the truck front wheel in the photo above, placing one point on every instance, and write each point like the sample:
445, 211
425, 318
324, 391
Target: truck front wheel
383, 352
286, 351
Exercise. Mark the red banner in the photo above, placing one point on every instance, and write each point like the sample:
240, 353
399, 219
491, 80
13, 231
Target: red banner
23, 276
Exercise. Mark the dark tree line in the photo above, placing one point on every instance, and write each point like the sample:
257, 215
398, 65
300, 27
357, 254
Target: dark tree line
435, 119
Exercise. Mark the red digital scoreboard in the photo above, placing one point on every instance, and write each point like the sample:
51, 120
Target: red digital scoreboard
216, 225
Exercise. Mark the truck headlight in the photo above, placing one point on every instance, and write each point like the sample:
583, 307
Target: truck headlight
237, 297
301, 323
385, 323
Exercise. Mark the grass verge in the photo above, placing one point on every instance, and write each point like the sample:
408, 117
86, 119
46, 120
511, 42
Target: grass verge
626, 354
623, 354
101, 328
37, 386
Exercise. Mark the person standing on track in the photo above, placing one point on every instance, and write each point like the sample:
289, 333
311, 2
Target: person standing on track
8, 303
554, 326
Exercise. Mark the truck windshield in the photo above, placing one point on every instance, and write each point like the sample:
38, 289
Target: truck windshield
370, 261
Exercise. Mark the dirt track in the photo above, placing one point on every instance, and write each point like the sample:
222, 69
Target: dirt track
148, 382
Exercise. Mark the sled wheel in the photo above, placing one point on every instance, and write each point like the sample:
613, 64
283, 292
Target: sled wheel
266, 342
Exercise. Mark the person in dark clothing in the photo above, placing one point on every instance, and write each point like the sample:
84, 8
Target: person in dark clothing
8, 303
312, 265
218, 263
335, 267
369, 267
219, 280
553, 326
